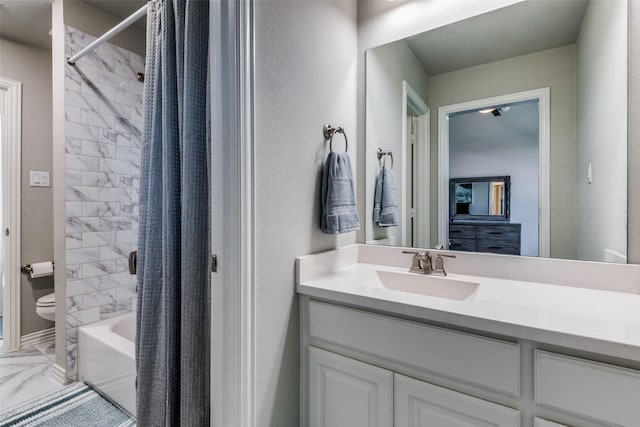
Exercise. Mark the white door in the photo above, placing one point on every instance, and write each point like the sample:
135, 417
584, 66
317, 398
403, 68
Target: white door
419, 404
347, 393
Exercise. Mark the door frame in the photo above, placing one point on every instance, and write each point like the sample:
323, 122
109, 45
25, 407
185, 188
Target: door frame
12, 190
412, 102
544, 160
232, 214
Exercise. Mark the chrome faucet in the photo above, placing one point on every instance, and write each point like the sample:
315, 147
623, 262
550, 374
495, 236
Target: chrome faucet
423, 263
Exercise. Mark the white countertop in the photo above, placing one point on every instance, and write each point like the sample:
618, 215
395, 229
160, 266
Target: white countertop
592, 320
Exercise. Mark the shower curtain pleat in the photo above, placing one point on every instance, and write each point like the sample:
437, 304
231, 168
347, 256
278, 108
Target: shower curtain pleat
173, 323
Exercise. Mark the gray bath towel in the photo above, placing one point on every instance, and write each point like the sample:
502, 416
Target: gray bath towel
385, 204
338, 203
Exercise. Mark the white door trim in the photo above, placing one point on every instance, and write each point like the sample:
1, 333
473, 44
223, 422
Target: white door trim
424, 177
232, 215
12, 159
544, 145
412, 102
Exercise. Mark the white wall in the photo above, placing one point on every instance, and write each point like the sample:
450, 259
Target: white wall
387, 67
305, 76
633, 102
514, 154
602, 130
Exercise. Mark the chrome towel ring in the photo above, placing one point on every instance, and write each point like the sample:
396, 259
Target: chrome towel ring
384, 154
328, 131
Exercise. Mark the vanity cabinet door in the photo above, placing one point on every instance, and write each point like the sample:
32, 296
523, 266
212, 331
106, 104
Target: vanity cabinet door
347, 393
539, 422
420, 404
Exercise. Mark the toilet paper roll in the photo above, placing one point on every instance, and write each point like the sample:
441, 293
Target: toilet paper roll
41, 269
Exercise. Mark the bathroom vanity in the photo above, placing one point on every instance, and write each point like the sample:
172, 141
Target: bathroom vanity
501, 341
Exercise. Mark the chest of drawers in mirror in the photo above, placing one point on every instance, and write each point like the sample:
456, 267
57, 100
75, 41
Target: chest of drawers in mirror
489, 237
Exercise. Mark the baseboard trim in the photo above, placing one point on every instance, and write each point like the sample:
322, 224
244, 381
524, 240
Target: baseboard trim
37, 337
59, 373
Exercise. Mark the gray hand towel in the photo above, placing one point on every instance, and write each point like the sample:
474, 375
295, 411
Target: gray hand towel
385, 204
338, 204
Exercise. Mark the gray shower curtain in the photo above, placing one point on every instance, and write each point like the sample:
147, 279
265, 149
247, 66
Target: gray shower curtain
173, 332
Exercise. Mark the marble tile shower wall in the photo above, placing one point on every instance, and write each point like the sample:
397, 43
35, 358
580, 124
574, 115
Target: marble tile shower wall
103, 107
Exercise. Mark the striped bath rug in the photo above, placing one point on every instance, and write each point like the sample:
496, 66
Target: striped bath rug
75, 405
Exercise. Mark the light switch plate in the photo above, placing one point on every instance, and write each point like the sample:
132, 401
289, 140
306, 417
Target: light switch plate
39, 179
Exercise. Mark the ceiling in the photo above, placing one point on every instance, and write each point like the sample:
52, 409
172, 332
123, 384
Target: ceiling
26, 22
120, 9
473, 131
29, 21
526, 27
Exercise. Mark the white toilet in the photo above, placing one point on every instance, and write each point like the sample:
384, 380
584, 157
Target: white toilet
46, 307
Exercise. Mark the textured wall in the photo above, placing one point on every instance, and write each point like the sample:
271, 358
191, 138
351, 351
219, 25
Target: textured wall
633, 102
103, 106
32, 66
305, 76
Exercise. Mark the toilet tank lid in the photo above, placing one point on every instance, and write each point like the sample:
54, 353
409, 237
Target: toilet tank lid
47, 299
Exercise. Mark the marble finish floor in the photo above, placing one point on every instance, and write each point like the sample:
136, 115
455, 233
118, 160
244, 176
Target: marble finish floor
26, 374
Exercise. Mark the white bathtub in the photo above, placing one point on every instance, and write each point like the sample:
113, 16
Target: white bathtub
106, 359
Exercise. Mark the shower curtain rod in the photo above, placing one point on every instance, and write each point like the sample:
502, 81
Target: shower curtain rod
109, 34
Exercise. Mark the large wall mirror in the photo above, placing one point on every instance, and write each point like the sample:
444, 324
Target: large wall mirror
536, 92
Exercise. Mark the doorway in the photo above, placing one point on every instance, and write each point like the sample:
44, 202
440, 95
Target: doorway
10, 194
415, 223
495, 107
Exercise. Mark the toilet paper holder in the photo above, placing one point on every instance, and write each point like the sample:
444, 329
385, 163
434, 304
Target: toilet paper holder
26, 269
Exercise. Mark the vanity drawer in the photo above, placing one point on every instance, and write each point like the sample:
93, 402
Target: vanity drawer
471, 359
497, 247
468, 245
503, 233
599, 391
462, 231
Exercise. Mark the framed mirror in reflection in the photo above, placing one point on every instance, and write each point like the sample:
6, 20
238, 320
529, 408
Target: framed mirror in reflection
517, 93
479, 199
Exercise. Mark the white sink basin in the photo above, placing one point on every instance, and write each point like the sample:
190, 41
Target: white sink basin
433, 286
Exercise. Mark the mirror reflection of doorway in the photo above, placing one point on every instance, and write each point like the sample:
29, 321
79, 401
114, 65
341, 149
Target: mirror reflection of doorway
496, 141
415, 222
484, 139
496, 196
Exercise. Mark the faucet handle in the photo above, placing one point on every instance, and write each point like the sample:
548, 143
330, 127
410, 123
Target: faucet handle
421, 262
439, 263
